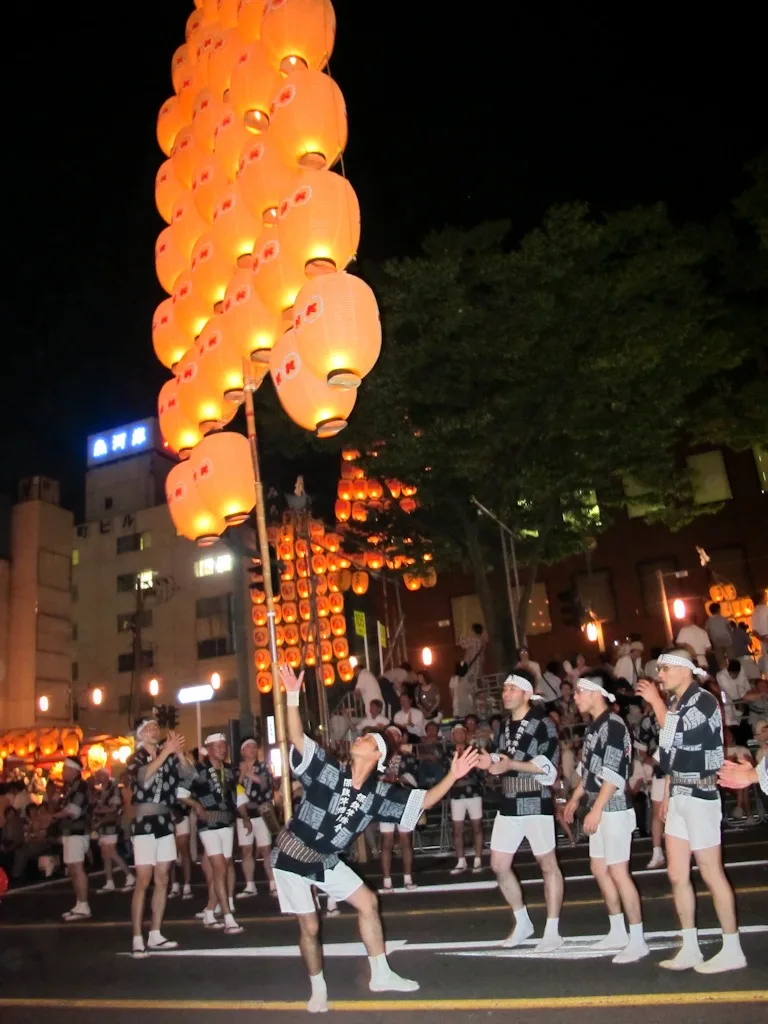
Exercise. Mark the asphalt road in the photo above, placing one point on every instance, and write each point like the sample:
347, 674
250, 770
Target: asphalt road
444, 934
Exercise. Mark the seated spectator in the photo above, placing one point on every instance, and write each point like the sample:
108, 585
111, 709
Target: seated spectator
428, 697
462, 693
570, 727
574, 667
734, 685
525, 661
410, 719
494, 725
375, 720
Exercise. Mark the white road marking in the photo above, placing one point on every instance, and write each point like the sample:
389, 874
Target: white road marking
491, 884
576, 947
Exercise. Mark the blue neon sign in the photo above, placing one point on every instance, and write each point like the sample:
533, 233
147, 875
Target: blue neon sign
120, 442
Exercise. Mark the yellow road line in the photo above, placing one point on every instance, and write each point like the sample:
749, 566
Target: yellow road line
423, 912
408, 1005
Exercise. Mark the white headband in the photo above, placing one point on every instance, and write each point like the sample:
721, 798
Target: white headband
143, 725
245, 743
681, 662
592, 684
381, 743
215, 737
71, 763
522, 684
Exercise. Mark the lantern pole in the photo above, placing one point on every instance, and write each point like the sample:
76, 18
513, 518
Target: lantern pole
261, 532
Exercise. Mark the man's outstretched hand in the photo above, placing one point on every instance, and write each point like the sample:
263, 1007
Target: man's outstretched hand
462, 764
290, 681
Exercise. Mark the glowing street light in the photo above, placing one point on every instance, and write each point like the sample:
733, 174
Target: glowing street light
43, 703
196, 695
154, 687
353, 661
97, 696
678, 608
592, 632
216, 681
426, 656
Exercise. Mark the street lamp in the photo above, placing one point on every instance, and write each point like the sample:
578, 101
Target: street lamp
216, 681
43, 703
660, 577
196, 695
154, 687
678, 608
97, 696
426, 656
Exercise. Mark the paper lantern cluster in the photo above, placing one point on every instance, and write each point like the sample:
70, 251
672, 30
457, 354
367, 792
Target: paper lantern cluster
260, 231
358, 497
29, 743
731, 605
310, 624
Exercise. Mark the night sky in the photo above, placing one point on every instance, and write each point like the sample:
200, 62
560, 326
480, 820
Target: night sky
496, 110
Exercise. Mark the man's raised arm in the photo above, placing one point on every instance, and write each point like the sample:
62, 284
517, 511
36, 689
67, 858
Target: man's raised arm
294, 724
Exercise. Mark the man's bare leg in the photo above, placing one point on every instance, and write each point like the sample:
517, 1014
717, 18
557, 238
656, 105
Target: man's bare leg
501, 865
679, 872
553, 897
731, 956
312, 955
383, 978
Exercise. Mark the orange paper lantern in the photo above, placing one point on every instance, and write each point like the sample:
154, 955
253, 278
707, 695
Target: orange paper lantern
253, 84
374, 490
249, 17
293, 656
412, 581
326, 650
222, 56
263, 660
211, 268
320, 228
324, 628
192, 81
345, 490
298, 33
278, 277
374, 560
261, 637
190, 309
206, 114
308, 401
291, 633
191, 516
329, 676
345, 670
338, 625
359, 490
408, 505
309, 120
201, 398
409, 490
168, 190
224, 476
264, 682
179, 432
359, 513
340, 647
186, 155
259, 613
230, 136
169, 341
288, 591
235, 228
338, 331
322, 606
179, 65
336, 603
360, 582
170, 121
227, 12
187, 226
265, 178
169, 260
290, 612
319, 565
305, 611
208, 183
310, 655
303, 588
343, 509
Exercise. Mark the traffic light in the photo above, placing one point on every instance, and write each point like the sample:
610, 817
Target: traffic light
572, 611
159, 715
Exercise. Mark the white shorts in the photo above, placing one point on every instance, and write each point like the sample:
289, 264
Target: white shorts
387, 828
182, 827
219, 841
464, 806
613, 840
108, 840
509, 832
658, 790
149, 850
697, 821
259, 835
295, 891
74, 848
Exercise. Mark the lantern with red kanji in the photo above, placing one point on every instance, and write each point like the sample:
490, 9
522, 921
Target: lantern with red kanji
308, 120
190, 514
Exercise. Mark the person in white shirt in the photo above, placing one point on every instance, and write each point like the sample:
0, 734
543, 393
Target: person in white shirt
760, 621
376, 719
733, 685
526, 663
367, 687
692, 635
548, 686
462, 693
409, 718
628, 664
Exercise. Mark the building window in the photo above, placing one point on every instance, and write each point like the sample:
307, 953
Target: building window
709, 478
134, 542
125, 662
75, 557
539, 619
107, 504
214, 626
129, 581
637, 505
125, 623
75, 671
74, 593
213, 647
730, 564
213, 565
649, 583
595, 591
761, 462
74, 631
